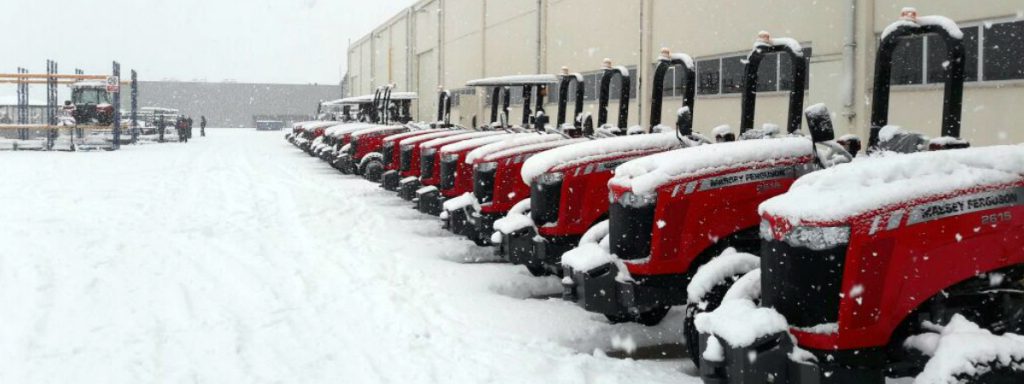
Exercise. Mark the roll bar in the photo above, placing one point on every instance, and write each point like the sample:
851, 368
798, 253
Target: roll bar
528, 117
764, 46
500, 93
606, 80
563, 97
682, 62
444, 107
952, 98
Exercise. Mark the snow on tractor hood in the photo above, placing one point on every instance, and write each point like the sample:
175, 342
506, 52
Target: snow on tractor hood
477, 142
597, 150
485, 151
442, 141
318, 124
880, 181
532, 148
646, 174
430, 136
374, 130
403, 135
346, 128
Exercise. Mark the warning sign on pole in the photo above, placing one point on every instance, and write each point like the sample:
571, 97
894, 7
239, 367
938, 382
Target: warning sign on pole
113, 84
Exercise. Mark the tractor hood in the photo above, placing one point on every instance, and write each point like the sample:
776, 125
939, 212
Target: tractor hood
338, 130
529, 149
442, 141
501, 146
596, 151
374, 131
877, 183
466, 145
645, 175
431, 136
404, 135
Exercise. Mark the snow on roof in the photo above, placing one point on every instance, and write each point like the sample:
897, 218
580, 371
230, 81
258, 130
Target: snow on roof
369, 98
531, 148
944, 22
441, 141
403, 135
506, 144
373, 130
883, 180
646, 174
430, 136
513, 80
474, 143
591, 150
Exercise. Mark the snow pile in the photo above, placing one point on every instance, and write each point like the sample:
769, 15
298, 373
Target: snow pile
462, 201
747, 287
416, 139
592, 252
646, 174
879, 181
517, 218
962, 348
426, 190
442, 141
478, 141
594, 150
741, 322
726, 265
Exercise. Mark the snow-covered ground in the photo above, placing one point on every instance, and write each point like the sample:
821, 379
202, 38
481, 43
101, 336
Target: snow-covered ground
237, 258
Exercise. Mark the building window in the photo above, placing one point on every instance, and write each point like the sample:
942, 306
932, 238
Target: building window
1003, 44
708, 76
991, 53
457, 95
593, 85
725, 75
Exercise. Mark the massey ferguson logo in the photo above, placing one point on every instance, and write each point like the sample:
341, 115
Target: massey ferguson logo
966, 204
746, 177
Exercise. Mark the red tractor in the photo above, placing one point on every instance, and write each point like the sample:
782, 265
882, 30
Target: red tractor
870, 269
391, 158
92, 103
568, 184
451, 176
672, 212
358, 150
496, 184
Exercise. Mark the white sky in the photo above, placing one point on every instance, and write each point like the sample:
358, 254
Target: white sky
273, 41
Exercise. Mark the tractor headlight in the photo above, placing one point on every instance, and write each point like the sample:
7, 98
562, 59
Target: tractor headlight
449, 157
486, 167
814, 238
428, 152
632, 200
550, 178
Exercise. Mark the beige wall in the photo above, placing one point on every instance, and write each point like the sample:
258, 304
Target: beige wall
483, 38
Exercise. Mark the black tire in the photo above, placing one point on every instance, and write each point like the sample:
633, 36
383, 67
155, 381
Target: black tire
372, 170
690, 334
653, 316
618, 319
999, 375
537, 270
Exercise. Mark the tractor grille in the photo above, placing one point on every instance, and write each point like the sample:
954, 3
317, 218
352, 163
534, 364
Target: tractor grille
802, 284
630, 230
448, 169
544, 201
405, 159
483, 186
427, 166
388, 152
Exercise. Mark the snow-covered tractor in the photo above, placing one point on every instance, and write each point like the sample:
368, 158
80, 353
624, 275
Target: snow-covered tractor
890, 266
92, 103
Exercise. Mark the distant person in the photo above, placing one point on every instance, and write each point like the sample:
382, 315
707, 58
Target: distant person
202, 125
161, 125
189, 121
182, 127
